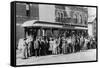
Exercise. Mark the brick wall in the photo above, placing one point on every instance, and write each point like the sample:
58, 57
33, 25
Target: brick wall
21, 17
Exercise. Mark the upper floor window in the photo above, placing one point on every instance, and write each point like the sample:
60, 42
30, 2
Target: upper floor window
81, 19
75, 18
27, 9
60, 13
85, 21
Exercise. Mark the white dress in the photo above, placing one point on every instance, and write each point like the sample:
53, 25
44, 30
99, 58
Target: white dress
51, 46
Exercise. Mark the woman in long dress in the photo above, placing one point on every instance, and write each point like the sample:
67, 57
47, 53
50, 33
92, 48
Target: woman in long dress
69, 41
55, 46
63, 46
85, 43
51, 45
23, 48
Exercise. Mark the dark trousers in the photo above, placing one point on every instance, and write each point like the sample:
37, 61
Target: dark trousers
60, 49
77, 47
36, 52
43, 51
70, 47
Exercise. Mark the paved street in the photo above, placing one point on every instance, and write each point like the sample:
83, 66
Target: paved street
73, 57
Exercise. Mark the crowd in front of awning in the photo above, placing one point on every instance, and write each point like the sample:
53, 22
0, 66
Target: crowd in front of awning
42, 46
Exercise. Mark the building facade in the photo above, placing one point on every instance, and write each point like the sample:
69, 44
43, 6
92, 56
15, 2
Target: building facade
25, 12
71, 17
92, 28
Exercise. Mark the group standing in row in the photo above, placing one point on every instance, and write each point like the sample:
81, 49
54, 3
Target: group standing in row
41, 46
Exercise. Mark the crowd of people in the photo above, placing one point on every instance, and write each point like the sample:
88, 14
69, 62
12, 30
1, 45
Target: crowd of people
42, 46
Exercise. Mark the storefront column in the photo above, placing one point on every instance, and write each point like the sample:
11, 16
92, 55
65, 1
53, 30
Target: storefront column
38, 32
43, 32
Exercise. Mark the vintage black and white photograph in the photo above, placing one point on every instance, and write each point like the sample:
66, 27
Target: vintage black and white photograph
54, 33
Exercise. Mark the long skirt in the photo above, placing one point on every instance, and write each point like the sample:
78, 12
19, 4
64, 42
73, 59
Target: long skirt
63, 49
25, 52
54, 51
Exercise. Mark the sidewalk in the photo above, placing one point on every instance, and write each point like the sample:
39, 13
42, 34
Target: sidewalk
86, 55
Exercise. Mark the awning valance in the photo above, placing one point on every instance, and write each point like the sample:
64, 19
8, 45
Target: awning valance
28, 23
36, 23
